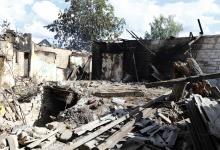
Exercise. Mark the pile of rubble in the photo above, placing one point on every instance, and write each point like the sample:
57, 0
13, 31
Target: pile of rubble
107, 115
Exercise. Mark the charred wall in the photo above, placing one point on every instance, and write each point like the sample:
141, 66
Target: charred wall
139, 60
167, 51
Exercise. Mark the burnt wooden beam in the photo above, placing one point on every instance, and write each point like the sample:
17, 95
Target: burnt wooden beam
140, 41
183, 80
119, 93
200, 135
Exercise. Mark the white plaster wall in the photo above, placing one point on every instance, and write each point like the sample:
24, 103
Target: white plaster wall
44, 67
7, 78
60, 76
18, 67
7, 74
6, 49
76, 61
42, 70
62, 57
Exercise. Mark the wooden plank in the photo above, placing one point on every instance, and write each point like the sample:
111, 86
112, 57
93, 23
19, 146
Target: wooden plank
201, 137
164, 118
89, 137
38, 142
119, 135
183, 80
80, 141
93, 124
119, 93
48, 143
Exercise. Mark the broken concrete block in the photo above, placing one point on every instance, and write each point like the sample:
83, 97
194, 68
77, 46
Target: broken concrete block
3, 143
118, 101
40, 130
12, 142
66, 135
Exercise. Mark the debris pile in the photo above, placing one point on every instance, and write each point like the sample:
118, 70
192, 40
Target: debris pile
109, 115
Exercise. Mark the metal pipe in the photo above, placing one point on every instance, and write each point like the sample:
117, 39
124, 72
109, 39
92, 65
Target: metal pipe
200, 26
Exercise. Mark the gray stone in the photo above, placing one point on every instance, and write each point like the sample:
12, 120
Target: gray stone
207, 46
217, 46
41, 130
210, 40
66, 135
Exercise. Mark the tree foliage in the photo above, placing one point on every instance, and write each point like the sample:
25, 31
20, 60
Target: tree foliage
162, 28
85, 21
5, 26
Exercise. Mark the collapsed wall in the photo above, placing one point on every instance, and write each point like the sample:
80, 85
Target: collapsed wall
54, 100
14, 57
21, 57
55, 64
116, 60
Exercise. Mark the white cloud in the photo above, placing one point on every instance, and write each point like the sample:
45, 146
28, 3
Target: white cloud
32, 15
38, 31
140, 13
46, 10
14, 11
29, 16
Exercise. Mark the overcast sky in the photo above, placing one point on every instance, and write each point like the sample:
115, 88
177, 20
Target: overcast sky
31, 15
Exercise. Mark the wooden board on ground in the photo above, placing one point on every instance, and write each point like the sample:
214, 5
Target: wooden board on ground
119, 93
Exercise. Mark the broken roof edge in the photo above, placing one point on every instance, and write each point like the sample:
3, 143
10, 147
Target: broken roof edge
122, 39
46, 52
154, 41
54, 49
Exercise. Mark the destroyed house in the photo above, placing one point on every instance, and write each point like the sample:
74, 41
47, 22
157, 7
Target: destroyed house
15, 56
21, 57
176, 114
128, 58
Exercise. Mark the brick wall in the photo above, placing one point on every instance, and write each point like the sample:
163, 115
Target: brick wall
207, 54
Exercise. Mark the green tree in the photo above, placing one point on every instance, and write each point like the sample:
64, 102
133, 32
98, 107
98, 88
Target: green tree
162, 28
85, 21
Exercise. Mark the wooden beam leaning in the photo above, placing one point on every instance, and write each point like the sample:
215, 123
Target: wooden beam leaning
184, 79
